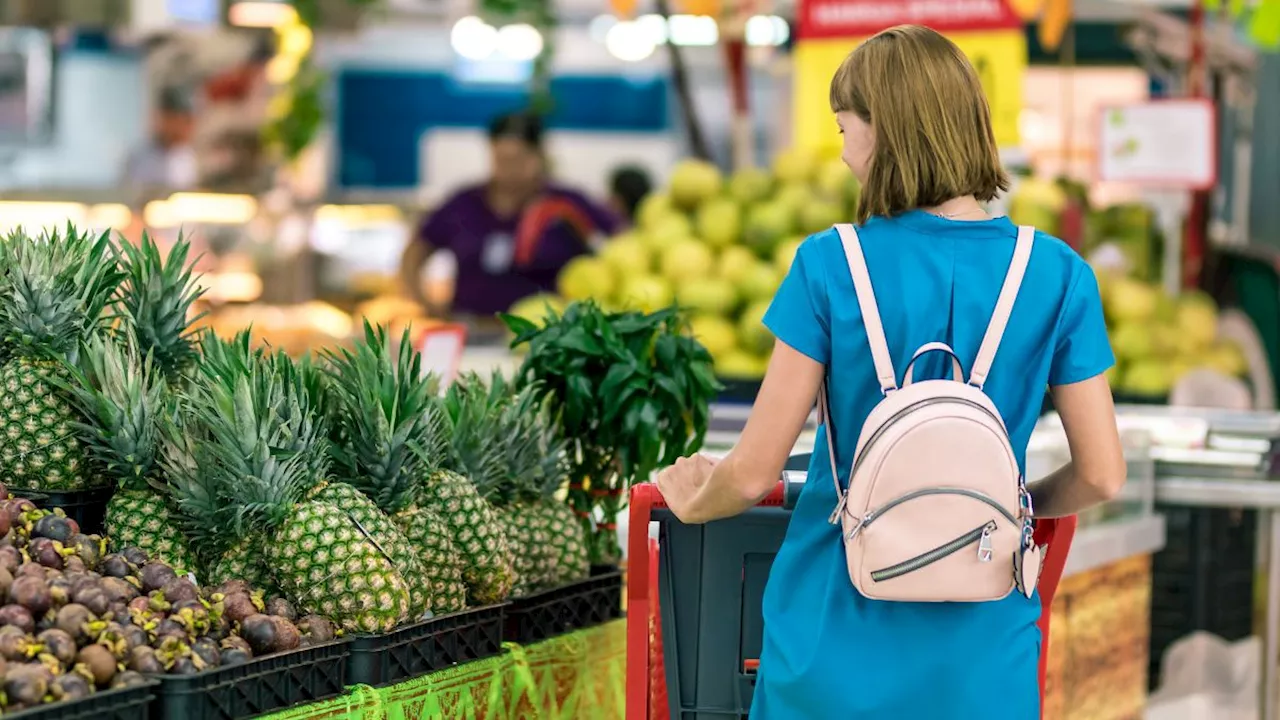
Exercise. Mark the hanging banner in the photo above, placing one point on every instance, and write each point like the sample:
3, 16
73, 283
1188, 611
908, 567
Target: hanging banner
989, 32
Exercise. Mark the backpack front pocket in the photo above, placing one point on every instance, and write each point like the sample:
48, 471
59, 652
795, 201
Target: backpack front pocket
980, 535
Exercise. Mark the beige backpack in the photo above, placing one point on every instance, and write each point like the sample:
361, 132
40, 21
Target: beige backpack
936, 509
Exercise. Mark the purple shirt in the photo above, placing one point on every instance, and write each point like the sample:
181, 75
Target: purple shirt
490, 276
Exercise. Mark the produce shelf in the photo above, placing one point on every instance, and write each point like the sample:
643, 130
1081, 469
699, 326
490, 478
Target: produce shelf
431, 645
582, 604
131, 703
262, 685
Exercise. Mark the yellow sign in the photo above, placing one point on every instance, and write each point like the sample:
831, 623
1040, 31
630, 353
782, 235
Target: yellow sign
1000, 57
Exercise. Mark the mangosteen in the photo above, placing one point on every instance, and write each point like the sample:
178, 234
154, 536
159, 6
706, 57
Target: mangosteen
75, 619
25, 684
135, 555
116, 566
10, 559
5, 524
134, 635
30, 569
18, 617
128, 678
71, 686
184, 666
117, 590
208, 652
53, 527
235, 656
32, 593
6, 579
316, 629
167, 628
155, 576
281, 607
239, 605
88, 548
94, 598
139, 604
180, 589
287, 635
260, 632
58, 643
143, 659
14, 643
235, 642
46, 552
233, 586
15, 508
100, 662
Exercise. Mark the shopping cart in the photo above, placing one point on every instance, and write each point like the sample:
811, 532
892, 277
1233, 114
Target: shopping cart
694, 622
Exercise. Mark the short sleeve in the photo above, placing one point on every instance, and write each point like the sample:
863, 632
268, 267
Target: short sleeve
1083, 349
799, 314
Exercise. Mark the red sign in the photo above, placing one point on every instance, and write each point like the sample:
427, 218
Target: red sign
860, 18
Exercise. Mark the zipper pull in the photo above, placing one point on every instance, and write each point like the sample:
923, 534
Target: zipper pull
834, 519
985, 551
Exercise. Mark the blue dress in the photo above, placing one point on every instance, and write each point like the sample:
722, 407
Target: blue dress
829, 653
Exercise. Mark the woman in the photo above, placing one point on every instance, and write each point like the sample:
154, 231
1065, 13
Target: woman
511, 234
917, 134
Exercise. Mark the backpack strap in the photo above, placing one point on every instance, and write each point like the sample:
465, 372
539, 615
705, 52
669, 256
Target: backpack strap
870, 311
1004, 307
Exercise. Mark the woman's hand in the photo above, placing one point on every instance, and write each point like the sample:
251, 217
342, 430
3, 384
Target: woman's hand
682, 483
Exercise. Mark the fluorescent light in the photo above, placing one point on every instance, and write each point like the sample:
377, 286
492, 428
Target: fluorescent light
629, 42
473, 38
261, 14
37, 216
520, 41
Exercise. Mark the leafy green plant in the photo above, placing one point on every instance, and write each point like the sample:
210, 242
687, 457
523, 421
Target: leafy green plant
632, 392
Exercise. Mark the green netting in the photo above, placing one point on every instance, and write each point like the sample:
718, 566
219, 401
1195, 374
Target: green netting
579, 676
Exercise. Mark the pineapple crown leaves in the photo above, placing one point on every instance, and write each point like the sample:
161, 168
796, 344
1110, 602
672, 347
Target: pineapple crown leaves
632, 389
253, 433
476, 445
155, 302
58, 287
122, 398
204, 513
387, 432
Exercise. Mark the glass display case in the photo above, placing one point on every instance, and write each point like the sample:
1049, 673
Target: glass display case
1047, 451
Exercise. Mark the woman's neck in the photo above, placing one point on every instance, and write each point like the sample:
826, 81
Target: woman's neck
509, 201
966, 207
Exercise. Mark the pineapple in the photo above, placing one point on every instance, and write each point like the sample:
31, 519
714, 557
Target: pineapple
56, 289
122, 397
266, 441
386, 435
154, 307
474, 465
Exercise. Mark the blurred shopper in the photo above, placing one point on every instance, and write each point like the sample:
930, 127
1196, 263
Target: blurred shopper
628, 185
917, 134
168, 160
511, 234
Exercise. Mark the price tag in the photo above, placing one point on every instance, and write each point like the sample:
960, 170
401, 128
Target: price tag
441, 347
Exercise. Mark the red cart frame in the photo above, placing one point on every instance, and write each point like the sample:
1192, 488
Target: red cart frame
646, 687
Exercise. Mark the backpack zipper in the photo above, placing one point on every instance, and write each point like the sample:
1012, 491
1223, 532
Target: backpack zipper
857, 462
978, 495
980, 535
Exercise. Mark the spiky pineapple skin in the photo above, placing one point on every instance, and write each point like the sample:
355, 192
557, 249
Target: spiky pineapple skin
143, 519
390, 538
327, 566
243, 561
488, 568
533, 555
442, 565
39, 449
567, 540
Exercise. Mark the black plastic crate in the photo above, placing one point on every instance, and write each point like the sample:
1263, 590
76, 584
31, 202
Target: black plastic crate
582, 604
262, 685
131, 703
1203, 578
431, 645
87, 507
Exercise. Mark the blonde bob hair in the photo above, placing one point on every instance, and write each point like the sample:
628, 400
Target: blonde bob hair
930, 119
